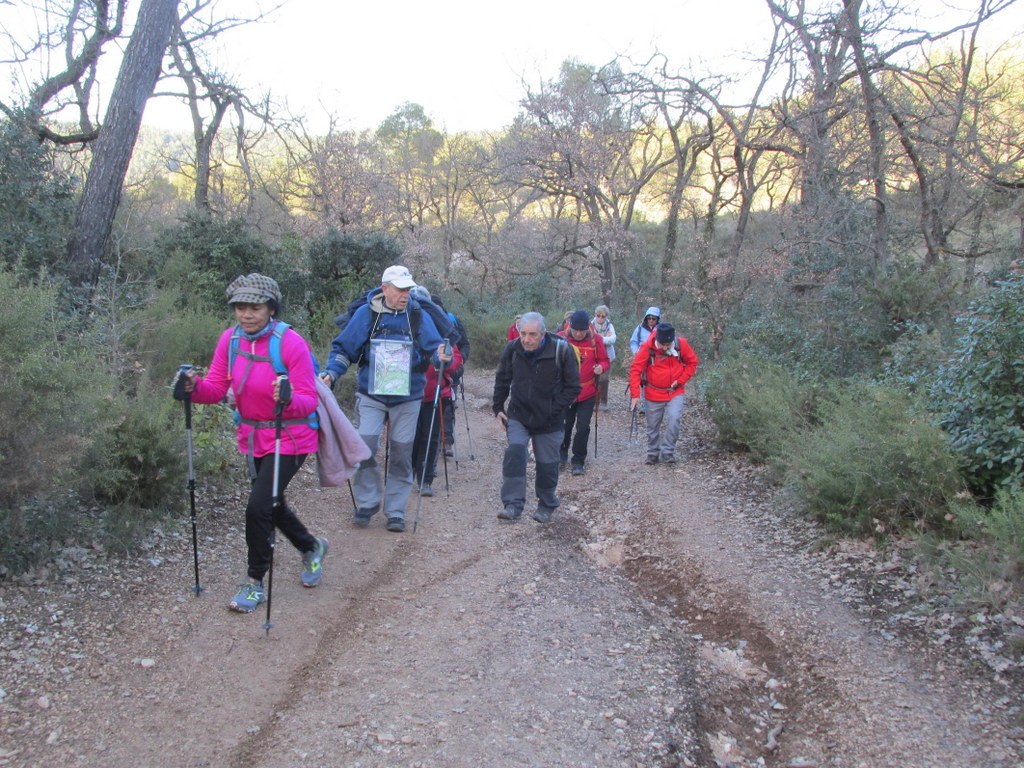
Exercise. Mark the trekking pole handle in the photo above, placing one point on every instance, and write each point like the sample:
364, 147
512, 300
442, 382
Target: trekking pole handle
180, 393
284, 391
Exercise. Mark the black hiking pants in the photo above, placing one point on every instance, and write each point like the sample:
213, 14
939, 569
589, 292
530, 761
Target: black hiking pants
261, 519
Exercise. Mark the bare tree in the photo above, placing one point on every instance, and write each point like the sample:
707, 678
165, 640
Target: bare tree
577, 141
72, 38
210, 93
112, 153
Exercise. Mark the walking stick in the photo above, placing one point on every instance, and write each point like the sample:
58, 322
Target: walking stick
387, 445
634, 433
597, 407
462, 386
440, 442
186, 399
284, 394
353, 495
430, 434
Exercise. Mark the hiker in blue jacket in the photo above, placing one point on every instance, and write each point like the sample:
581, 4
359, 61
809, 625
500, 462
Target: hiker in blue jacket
392, 341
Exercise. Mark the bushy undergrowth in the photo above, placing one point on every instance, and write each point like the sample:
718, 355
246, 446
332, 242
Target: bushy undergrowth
760, 406
988, 557
863, 458
979, 393
53, 382
874, 463
138, 458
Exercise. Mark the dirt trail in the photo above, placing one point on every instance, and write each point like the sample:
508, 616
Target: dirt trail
669, 616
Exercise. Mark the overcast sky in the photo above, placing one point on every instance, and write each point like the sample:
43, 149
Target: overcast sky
464, 60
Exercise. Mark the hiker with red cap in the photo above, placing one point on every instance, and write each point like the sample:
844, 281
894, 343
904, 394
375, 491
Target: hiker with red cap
662, 366
593, 360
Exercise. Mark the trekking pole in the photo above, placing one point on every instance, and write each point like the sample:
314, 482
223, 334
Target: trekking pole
284, 394
430, 434
440, 442
387, 445
353, 495
465, 412
597, 407
634, 434
186, 399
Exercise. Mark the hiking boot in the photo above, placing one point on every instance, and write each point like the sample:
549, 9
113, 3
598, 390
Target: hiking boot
395, 524
577, 469
427, 490
249, 596
651, 460
362, 517
312, 563
668, 458
449, 452
542, 515
510, 513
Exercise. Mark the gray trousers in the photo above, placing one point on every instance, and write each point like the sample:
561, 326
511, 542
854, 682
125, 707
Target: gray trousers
668, 414
367, 483
513, 468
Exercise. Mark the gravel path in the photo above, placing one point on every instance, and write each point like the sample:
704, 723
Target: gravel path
669, 616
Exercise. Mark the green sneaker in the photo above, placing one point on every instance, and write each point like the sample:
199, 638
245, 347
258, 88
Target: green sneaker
249, 596
312, 564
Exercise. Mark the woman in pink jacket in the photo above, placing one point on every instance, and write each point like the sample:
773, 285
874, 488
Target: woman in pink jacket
243, 361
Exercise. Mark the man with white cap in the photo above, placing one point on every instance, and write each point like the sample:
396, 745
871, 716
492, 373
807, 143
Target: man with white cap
392, 341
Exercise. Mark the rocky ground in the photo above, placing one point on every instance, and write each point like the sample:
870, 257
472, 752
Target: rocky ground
675, 615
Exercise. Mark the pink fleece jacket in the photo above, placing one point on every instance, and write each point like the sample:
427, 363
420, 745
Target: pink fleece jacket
253, 386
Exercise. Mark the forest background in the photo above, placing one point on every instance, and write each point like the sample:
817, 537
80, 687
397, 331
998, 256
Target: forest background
839, 233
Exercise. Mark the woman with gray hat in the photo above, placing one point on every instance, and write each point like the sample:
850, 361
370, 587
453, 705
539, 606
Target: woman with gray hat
245, 362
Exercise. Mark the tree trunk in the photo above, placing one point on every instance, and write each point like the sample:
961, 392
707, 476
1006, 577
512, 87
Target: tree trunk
113, 149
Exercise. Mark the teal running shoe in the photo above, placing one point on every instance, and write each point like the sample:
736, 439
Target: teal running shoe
312, 564
249, 596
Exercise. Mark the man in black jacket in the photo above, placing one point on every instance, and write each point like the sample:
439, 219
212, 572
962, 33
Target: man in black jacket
541, 374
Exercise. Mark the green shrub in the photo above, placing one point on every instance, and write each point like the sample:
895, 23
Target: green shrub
52, 381
34, 527
988, 561
915, 358
1002, 525
36, 203
759, 406
138, 459
980, 392
226, 248
874, 464
343, 266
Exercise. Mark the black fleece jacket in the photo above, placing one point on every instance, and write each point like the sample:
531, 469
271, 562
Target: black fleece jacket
541, 389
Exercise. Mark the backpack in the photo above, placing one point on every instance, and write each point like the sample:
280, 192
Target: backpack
441, 321
274, 358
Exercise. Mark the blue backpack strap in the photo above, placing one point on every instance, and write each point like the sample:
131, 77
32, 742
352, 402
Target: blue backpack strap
279, 329
274, 350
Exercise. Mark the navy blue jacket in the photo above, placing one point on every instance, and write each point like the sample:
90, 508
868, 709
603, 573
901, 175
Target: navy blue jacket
351, 345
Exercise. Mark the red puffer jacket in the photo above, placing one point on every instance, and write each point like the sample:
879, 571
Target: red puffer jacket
666, 372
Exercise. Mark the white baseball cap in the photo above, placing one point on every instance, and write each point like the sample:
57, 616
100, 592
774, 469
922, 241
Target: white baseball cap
398, 276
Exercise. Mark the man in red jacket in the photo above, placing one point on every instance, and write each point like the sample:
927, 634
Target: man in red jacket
593, 357
663, 365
